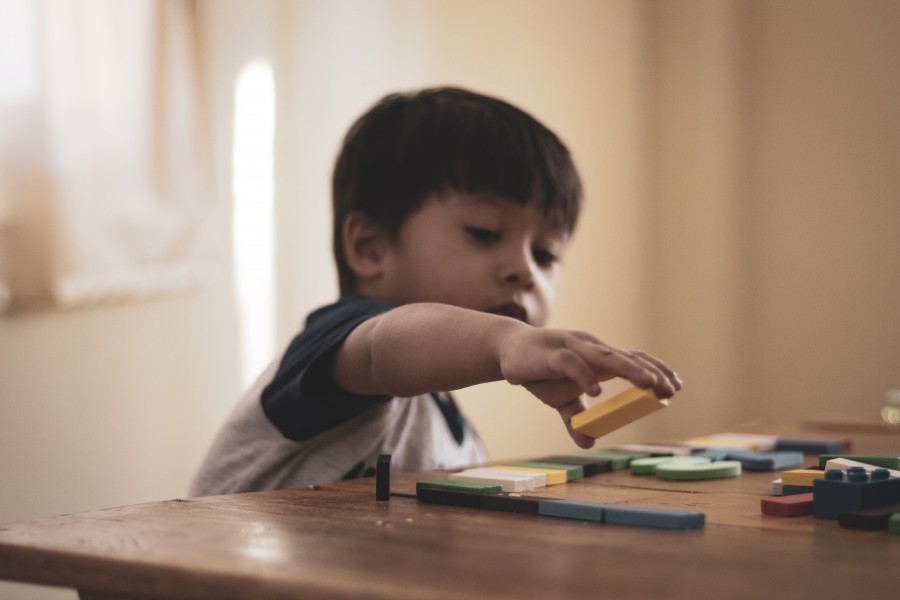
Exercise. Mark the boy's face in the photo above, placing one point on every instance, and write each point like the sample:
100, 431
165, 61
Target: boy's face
476, 251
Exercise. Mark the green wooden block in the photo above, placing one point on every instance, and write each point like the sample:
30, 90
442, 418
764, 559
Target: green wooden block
685, 470
894, 524
573, 472
888, 462
617, 458
649, 466
467, 486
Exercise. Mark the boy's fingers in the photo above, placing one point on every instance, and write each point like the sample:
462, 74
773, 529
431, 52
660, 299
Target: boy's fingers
567, 411
572, 365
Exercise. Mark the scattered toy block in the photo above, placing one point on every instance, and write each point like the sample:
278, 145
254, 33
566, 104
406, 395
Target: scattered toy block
801, 477
554, 476
654, 518
617, 459
840, 492
449, 484
744, 441
755, 461
536, 480
449, 497
845, 463
887, 462
684, 469
573, 472
788, 506
656, 449
618, 411
571, 509
591, 466
869, 519
383, 477
648, 466
507, 480
813, 446
514, 503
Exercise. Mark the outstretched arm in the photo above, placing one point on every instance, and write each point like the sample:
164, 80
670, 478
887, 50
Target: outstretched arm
418, 348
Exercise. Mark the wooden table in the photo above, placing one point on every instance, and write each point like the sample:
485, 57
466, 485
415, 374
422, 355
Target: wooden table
339, 542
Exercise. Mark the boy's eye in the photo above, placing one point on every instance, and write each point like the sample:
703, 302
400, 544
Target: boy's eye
543, 257
484, 236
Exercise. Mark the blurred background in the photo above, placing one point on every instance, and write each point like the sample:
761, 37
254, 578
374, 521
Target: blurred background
165, 222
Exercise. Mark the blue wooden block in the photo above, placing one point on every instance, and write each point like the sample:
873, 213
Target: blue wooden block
767, 461
810, 446
654, 518
840, 492
571, 509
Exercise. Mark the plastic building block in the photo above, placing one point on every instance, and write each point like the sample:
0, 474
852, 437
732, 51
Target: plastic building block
869, 519
840, 492
845, 463
573, 472
591, 466
618, 411
554, 476
887, 462
801, 477
682, 469
508, 481
383, 477
655, 518
788, 506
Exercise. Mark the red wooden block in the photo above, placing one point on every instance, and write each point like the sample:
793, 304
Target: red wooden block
788, 506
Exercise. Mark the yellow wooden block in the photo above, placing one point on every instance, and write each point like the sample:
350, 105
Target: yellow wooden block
554, 476
720, 442
802, 477
618, 411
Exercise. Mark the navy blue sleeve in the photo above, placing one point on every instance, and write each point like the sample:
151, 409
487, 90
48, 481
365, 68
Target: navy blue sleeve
302, 400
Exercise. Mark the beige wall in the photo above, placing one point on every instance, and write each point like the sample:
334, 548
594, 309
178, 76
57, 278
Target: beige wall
743, 204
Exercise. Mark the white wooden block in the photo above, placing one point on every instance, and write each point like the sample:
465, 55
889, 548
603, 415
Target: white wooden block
537, 479
656, 449
507, 484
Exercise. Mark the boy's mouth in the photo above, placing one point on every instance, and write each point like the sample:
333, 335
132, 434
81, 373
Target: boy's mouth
511, 310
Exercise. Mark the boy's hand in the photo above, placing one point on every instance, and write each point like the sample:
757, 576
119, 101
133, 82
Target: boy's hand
558, 366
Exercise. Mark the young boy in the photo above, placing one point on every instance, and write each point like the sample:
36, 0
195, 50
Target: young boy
451, 213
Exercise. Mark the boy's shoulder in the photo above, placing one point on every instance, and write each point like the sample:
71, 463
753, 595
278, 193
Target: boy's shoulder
346, 307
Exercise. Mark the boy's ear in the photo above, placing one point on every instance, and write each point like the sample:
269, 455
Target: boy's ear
365, 245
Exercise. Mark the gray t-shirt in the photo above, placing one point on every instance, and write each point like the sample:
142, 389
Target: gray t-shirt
294, 427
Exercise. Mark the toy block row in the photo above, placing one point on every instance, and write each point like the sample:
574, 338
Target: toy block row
522, 476
490, 497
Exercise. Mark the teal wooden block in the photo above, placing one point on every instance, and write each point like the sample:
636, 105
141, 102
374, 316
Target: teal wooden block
572, 509
619, 460
684, 471
468, 486
634, 516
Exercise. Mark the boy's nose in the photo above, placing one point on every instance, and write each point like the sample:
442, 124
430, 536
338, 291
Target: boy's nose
520, 271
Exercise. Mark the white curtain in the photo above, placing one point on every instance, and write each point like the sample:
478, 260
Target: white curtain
105, 191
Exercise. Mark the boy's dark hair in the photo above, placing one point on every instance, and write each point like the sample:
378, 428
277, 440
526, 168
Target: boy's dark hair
410, 145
